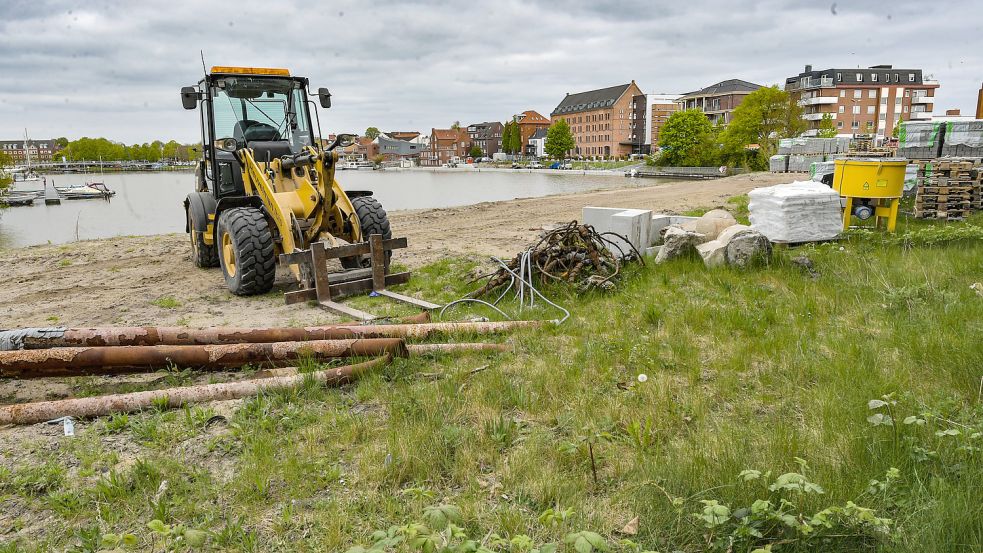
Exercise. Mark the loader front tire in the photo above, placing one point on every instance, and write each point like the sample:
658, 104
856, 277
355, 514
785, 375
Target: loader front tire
203, 255
245, 251
373, 219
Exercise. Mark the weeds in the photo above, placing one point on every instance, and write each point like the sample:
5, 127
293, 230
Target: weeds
166, 302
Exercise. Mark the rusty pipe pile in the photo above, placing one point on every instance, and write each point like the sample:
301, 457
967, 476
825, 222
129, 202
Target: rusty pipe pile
29, 413
75, 361
42, 338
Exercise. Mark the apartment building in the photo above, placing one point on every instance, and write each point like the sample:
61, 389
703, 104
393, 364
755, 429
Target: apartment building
659, 107
446, 146
718, 101
863, 101
607, 122
487, 136
20, 151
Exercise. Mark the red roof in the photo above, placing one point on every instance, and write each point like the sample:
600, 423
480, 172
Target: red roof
531, 117
449, 134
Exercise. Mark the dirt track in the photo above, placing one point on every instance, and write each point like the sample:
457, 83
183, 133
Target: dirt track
114, 281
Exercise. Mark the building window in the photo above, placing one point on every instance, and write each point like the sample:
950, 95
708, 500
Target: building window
858, 93
856, 110
911, 77
905, 109
896, 77
839, 124
842, 93
872, 93
855, 125
870, 110
907, 93
860, 77
873, 77
839, 77
841, 109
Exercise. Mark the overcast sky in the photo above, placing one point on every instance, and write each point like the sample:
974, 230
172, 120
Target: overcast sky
114, 69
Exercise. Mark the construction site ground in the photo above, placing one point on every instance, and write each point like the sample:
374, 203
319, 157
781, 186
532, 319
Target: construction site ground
149, 280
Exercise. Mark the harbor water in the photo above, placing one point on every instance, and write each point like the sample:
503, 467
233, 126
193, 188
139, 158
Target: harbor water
151, 203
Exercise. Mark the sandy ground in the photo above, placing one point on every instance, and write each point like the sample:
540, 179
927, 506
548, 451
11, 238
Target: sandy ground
115, 281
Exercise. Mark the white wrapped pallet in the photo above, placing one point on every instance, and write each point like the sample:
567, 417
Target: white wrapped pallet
801, 211
821, 169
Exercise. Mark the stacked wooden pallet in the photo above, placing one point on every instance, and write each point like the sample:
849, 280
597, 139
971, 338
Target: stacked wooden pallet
948, 189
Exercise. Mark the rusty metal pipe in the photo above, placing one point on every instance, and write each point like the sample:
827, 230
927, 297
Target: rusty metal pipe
75, 361
29, 413
421, 349
179, 336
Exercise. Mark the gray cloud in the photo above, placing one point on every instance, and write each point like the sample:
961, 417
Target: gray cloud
113, 68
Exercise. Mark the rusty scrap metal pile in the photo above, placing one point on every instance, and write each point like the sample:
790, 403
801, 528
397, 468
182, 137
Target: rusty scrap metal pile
573, 253
56, 352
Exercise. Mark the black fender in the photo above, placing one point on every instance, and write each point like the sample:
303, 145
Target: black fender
357, 193
198, 205
235, 201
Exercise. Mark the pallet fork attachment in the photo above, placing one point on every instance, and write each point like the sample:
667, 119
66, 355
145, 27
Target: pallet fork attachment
328, 287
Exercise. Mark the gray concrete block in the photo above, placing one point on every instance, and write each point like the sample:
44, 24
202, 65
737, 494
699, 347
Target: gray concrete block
633, 224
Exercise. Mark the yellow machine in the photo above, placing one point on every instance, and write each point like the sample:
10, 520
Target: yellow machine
871, 188
266, 189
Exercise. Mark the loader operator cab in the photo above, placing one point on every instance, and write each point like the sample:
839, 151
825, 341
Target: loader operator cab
266, 113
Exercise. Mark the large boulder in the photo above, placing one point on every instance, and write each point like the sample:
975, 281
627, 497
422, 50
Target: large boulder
711, 223
737, 245
746, 247
678, 243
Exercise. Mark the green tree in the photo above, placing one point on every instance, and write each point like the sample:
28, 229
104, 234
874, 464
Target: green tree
763, 117
687, 140
5, 179
826, 127
456, 125
511, 138
372, 133
475, 151
896, 131
559, 139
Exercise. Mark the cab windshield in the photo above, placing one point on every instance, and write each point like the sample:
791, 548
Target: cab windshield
253, 109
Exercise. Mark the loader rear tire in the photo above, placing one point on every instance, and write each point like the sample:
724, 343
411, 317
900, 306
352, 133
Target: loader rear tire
373, 219
203, 255
245, 251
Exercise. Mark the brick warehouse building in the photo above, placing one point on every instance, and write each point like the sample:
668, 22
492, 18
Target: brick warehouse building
38, 150
607, 122
863, 101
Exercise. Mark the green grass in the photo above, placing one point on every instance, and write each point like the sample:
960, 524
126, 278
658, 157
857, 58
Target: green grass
744, 370
166, 302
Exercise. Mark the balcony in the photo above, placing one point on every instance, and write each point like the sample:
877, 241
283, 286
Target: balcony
819, 101
921, 115
923, 99
807, 83
816, 116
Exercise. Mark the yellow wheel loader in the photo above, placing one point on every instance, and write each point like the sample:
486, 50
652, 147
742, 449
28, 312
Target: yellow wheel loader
266, 185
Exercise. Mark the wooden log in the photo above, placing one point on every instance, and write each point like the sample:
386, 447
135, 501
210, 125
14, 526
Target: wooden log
29, 413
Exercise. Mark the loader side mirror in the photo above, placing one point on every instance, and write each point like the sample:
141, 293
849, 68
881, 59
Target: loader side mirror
325, 97
189, 97
342, 141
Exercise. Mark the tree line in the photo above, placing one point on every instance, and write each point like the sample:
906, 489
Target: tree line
92, 149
